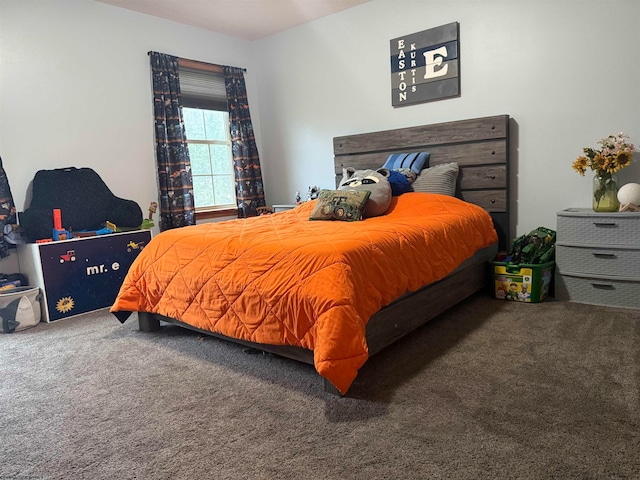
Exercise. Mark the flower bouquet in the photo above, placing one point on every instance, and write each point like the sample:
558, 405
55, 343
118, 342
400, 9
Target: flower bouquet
615, 153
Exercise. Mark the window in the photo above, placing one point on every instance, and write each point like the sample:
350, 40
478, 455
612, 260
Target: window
209, 142
206, 122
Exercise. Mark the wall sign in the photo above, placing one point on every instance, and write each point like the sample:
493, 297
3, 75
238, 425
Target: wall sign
425, 66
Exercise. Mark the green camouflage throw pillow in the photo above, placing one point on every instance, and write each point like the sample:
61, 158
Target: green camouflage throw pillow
346, 205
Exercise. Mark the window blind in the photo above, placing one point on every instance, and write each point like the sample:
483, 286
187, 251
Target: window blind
202, 89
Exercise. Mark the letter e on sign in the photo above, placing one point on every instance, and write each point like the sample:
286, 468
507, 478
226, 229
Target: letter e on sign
433, 59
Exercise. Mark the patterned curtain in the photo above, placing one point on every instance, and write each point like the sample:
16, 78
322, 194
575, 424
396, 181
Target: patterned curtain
249, 189
7, 210
172, 154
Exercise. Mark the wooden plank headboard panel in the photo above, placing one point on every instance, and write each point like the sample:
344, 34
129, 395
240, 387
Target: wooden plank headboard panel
480, 146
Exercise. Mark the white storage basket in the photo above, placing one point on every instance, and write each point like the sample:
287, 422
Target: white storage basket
19, 309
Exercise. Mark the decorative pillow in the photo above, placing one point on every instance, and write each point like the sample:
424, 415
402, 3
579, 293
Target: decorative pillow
438, 179
375, 181
340, 205
415, 161
399, 183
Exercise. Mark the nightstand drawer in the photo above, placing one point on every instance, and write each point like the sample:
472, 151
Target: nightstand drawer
598, 291
601, 260
586, 227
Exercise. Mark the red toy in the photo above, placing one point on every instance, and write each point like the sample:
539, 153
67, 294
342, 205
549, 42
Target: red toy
59, 233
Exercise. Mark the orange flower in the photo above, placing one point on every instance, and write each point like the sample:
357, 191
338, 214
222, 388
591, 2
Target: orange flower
609, 165
616, 153
623, 159
580, 165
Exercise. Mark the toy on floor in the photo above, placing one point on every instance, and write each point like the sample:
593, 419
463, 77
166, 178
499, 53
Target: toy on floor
535, 248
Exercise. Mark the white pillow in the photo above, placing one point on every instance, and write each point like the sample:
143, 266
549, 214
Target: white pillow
438, 179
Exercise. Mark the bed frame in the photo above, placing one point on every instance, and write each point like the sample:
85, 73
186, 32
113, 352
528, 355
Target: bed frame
480, 146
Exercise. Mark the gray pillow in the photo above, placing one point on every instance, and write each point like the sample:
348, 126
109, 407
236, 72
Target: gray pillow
438, 179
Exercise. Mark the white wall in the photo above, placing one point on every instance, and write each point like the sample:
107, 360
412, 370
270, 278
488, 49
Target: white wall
75, 90
566, 71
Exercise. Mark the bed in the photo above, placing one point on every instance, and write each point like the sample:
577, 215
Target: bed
334, 293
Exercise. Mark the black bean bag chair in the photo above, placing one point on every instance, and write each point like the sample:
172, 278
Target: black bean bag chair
85, 201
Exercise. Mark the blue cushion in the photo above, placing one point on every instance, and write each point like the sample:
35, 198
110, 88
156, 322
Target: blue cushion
399, 183
415, 161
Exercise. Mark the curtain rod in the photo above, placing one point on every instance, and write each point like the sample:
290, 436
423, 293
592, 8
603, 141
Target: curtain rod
188, 63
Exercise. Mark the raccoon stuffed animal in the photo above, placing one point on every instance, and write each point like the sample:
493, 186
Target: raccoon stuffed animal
376, 181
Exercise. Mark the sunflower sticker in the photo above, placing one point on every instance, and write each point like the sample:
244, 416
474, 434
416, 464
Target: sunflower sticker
65, 304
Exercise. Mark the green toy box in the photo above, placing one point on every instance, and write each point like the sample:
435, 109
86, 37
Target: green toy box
522, 282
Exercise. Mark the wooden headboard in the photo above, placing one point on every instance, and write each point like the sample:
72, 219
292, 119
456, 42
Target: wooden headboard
480, 146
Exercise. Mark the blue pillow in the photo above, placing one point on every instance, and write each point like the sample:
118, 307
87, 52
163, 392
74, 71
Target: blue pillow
415, 161
399, 183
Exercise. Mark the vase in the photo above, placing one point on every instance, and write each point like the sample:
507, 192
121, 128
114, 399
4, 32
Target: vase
605, 192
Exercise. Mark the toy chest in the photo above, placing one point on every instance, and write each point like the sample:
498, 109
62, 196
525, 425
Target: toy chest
19, 308
82, 274
523, 282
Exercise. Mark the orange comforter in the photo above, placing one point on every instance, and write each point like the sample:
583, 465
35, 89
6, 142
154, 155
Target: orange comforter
284, 280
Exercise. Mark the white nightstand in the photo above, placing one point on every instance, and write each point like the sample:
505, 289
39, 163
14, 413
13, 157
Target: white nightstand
598, 257
282, 208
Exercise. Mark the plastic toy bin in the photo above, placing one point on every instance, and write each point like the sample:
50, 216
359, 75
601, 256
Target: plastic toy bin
523, 282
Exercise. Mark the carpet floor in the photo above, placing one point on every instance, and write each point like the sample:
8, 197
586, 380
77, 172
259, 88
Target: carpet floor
490, 389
